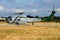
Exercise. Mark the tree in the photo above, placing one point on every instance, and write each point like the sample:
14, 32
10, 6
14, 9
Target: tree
9, 17
30, 16
36, 16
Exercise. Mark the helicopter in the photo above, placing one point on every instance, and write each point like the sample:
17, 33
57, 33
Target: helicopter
21, 19
51, 17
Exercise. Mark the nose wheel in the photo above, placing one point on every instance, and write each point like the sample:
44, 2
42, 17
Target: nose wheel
17, 23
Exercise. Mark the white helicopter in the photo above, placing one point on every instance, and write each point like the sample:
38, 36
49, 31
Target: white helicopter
21, 19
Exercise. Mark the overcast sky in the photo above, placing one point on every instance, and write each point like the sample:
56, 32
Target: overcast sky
32, 7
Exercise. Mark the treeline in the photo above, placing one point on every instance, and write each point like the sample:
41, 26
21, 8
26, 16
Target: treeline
52, 19
29, 16
57, 19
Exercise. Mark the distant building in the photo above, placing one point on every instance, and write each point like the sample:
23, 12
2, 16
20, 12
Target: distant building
2, 19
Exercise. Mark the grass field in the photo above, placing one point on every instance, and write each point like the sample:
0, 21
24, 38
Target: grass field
38, 31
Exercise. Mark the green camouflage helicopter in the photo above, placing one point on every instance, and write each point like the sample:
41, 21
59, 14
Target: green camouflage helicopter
51, 17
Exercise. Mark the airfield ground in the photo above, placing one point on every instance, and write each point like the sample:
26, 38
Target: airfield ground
38, 31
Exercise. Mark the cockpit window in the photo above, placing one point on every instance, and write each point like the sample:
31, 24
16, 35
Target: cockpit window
18, 19
10, 19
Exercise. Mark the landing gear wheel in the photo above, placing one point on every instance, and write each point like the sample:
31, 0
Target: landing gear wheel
17, 23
